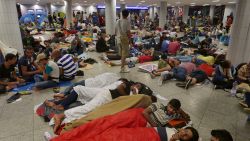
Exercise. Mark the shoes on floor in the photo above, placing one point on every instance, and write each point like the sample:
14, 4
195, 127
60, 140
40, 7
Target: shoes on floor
243, 103
182, 85
188, 84
13, 98
124, 70
25, 92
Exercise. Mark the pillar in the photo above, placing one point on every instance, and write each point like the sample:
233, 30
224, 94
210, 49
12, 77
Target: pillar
122, 7
211, 13
228, 10
10, 34
110, 16
152, 12
239, 46
163, 14
185, 13
68, 9
48, 8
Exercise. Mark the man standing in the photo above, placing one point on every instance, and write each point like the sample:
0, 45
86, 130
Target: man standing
122, 31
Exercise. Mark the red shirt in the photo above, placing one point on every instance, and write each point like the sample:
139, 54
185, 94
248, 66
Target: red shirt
173, 47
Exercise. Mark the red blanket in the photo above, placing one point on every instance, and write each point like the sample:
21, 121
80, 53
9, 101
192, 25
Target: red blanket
129, 125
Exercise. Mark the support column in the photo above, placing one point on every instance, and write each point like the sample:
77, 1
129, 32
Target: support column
163, 14
122, 7
185, 13
152, 12
239, 46
110, 16
10, 34
48, 8
68, 9
211, 13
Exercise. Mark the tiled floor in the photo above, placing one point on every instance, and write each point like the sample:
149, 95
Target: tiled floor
209, 109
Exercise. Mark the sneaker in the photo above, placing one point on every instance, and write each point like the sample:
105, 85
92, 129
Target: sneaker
124, 70
13, 98
243, 103
160, 81
182, 85
47, 136
188, 83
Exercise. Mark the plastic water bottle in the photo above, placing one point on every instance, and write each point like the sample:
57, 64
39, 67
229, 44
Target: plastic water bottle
234, 89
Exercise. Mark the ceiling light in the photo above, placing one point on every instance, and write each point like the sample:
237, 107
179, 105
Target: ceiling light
192, 3
85, 1
215, 0
121, 0
206, 4
232, 2
143, 1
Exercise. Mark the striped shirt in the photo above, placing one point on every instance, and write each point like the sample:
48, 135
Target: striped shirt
68, 65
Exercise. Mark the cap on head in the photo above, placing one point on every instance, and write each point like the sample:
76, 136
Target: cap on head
40, 57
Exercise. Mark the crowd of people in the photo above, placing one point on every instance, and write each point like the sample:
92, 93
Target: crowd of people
190, 59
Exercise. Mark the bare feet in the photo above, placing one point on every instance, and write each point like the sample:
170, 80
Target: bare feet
48, 103
58, 119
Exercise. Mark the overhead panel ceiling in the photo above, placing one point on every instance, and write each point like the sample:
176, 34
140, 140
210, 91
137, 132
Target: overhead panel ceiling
132, 2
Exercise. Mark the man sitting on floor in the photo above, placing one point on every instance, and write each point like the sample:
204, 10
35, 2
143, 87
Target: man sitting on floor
50, 77
8, 77
66, 65
27, 67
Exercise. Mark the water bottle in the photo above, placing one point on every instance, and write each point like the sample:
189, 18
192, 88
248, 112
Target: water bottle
234, 89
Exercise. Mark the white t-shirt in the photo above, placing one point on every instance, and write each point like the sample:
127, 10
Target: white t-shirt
170, 132
122, 26
102, 80
52, 70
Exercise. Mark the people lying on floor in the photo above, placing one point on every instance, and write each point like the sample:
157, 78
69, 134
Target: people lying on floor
124, 126
158, 115
171, 63
224, 75
98, 81
243, 73
101, 45
196, 76
92, 98
27, 66
8, 77
221, 135
66, 65
50, 75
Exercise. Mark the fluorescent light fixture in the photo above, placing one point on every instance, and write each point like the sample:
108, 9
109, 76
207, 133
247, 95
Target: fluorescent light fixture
216, 1
192, 3
206, 4
232, 2
127, 7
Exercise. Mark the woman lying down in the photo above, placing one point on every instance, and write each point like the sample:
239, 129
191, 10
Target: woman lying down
92, 98
129, 125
